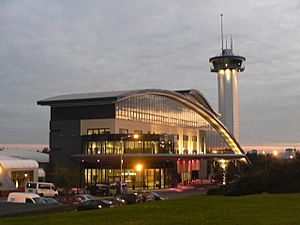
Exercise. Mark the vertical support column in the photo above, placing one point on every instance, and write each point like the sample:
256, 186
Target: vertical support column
228, 99
203, 169
202, 141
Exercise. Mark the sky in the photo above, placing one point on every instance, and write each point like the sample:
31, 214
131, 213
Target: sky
50, 48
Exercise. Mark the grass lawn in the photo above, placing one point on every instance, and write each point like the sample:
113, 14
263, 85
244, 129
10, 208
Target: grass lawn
254, 209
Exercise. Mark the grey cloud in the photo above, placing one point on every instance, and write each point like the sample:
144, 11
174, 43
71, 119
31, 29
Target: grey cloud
50, 48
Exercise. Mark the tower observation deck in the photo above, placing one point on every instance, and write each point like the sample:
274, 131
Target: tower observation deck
228, 65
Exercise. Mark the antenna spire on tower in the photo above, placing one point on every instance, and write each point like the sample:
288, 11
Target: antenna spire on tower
231, 43
222, 32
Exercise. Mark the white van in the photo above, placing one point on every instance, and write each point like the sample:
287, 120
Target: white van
21, 197
42, 189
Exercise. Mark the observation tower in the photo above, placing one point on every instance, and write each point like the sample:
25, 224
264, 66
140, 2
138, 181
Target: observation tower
228, 65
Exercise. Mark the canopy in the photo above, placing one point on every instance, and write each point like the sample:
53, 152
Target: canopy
19, 164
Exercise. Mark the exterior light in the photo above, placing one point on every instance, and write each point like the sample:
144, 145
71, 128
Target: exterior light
275, 153
136, 136
98, 160
291, 157
263, 152
82, 160
25, 175
139, 167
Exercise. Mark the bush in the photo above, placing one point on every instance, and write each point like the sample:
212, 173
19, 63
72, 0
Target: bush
266, 174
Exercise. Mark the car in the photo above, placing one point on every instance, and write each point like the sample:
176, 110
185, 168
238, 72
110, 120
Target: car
50, 200
21, 197
106, 203
70, 200
85, 197
90, 204
42, 189
120, 201
158, 196
104, 189
132, 198
116, 202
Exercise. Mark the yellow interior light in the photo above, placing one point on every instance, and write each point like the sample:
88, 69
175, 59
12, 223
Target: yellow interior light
139, 167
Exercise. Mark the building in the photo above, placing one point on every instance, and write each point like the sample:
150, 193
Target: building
18, 167
178, 133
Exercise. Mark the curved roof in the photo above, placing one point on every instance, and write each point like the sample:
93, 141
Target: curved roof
193, 99
19, 164
205, 112
25, 154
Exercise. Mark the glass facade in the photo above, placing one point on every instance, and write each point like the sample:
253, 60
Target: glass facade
156, 109
195, 133
112, 144
152, 178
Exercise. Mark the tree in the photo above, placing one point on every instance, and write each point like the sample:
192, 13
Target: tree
62, 179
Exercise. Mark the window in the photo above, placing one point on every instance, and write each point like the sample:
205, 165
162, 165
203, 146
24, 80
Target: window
176, 137
138, 131
185, 137
123, 131
44, 186
98, 131
194, 138
28, 200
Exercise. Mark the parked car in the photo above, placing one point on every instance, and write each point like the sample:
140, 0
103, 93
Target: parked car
90, 204
104, 189
106, 203
70, 200
50, 200
120, 201
132, 198
21, 197
85, 197
158, 196
116, 202
41, 188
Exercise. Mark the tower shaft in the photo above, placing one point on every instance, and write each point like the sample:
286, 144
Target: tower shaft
228, 99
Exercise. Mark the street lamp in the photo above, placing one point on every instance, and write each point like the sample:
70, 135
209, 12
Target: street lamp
135, 136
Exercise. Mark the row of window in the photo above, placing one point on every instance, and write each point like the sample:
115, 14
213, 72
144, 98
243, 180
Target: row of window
160, 110
98, 131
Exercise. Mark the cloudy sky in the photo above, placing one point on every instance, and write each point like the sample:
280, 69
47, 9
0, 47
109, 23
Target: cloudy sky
50, 48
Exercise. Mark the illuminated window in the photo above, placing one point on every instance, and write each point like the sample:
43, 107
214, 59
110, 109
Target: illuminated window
123, 131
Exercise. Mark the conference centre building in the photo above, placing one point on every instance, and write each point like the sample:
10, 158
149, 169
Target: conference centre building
148, 138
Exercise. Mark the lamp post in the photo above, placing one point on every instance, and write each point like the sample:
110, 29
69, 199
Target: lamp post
135, 136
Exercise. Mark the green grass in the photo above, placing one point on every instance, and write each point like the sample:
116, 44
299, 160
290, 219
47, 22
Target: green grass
254, 210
